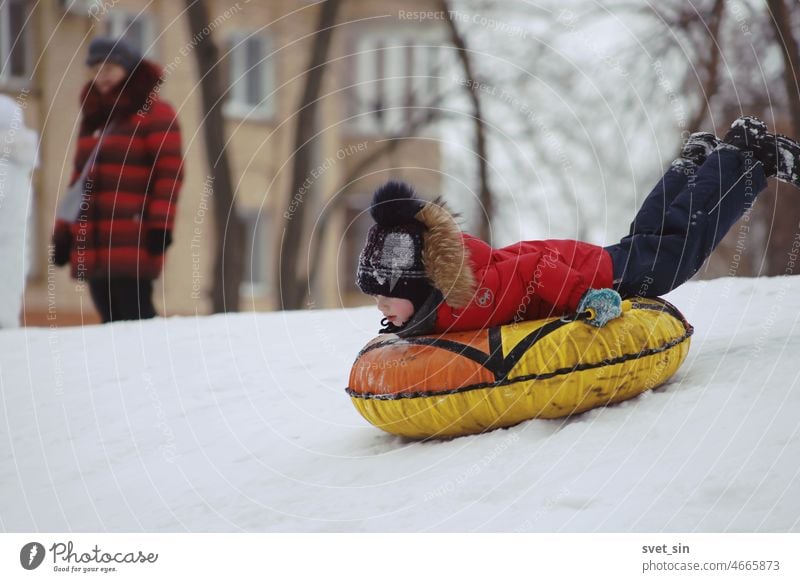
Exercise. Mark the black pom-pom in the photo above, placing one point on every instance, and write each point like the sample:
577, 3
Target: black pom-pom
394, 204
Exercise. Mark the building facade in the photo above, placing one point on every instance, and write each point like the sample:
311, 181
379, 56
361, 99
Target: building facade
376, 120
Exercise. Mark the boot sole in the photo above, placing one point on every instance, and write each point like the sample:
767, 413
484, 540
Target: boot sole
788, 169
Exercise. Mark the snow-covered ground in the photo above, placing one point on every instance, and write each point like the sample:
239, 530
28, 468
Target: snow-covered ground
241, 422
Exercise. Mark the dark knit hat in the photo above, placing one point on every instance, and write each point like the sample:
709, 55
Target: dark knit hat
391, 261
113, 50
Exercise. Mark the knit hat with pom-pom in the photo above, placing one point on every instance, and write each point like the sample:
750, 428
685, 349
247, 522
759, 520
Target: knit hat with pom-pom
391, 261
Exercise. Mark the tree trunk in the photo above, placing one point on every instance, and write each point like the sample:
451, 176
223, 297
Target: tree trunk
791, 57
292, 286
484, 194
710, 86
783, 227
227, 224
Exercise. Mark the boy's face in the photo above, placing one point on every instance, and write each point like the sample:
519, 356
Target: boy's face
397, 311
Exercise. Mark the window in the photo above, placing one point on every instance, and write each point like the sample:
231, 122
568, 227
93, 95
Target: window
256, 277
394, 73
15, 50
251, 76
136, 28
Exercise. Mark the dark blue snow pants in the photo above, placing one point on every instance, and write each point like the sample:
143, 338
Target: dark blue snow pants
683, 220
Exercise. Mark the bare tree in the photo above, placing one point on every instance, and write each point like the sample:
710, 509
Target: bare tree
292, 287
780, 19
751, 37
710, 65
781, 205
228, 263
484, 192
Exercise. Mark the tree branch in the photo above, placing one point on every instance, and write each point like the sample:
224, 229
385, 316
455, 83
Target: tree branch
473, 90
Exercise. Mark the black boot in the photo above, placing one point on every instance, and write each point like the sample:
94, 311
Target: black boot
747, 133
781, 158
779, 154
697, 148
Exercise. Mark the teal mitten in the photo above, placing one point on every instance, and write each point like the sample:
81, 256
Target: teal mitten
602, 305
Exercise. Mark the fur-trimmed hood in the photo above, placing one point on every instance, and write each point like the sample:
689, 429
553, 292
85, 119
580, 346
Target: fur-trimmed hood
128, 97
445, 257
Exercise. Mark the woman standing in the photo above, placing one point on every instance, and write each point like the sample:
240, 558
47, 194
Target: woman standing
129, 168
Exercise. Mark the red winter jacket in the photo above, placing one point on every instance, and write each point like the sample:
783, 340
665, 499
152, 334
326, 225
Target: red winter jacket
134, 182
526, 280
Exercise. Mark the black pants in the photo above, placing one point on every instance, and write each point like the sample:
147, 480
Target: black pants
682, 221
121, 298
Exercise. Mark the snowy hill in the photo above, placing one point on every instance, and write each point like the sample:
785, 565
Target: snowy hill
230, 423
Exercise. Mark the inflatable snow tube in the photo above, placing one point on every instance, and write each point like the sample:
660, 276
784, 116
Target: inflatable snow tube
468, 382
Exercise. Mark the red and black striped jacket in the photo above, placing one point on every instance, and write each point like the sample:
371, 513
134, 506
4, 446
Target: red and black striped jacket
134, 182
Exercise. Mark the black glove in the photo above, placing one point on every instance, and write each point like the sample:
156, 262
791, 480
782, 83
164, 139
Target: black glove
157, 241
62, 246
